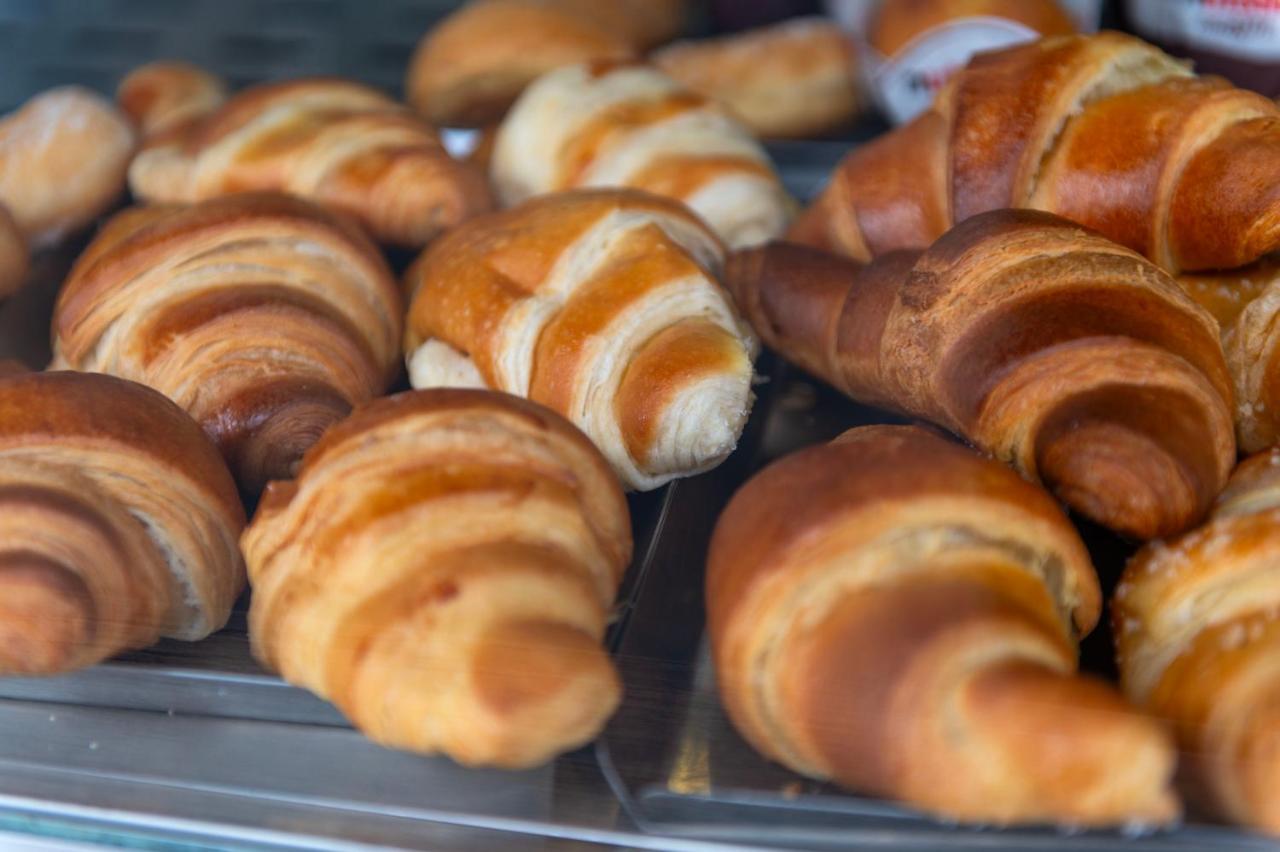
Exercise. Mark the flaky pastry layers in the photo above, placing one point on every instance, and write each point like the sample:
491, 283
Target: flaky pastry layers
602, 305
1246, 304
442, 570
899, 614
118, 522
629, 125
1197, 622
1068, 356
335, 142
1105, 130
263, 316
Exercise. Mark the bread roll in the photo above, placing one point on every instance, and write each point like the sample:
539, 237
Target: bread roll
63, 157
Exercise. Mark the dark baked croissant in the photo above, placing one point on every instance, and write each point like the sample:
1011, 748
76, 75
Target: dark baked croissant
1073, 358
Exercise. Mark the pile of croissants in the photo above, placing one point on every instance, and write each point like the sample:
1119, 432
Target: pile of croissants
1064, 264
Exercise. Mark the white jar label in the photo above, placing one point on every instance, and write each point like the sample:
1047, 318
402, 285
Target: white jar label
904, 85
1243, 29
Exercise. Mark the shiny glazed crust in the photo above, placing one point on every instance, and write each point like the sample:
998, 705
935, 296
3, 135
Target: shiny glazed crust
119, 522
338, 143
602, 305
794, 79
898, 614
1064, 354
1197, 622
1105, 130
263, 316
442, 570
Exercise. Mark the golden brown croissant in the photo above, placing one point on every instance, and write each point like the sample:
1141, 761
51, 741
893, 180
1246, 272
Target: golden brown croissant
263, 316
1105, 130
1246, 304
602, 305
470, 68
898, 614
1197, 622
13, 255
798, 78
163, 97
63, 157
1071, 357
617, 124
334, 142
442, 570
118, 523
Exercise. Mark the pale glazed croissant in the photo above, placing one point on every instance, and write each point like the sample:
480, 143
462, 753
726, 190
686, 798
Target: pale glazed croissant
613, 124
164, 97
442, 570
898, 614
602, 305
63, 157
1104, 130
1197, 622
1060, 352
1246, 303
263, 316
118, 523
338, 143
13, 255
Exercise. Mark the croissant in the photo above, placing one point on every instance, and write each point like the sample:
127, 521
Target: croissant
264, 317
334, 142
63, 157
470, 68
118, 523
165, 97
13, 255
1104, 130
898, 614
1245, 303
1058, 351
442, 570
1198, 639
796, 79
612, 124
602, 305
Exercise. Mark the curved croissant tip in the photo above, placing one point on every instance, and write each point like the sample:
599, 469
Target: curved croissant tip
1120, 762
45, 616
1125, 480
545, 683
275, 445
